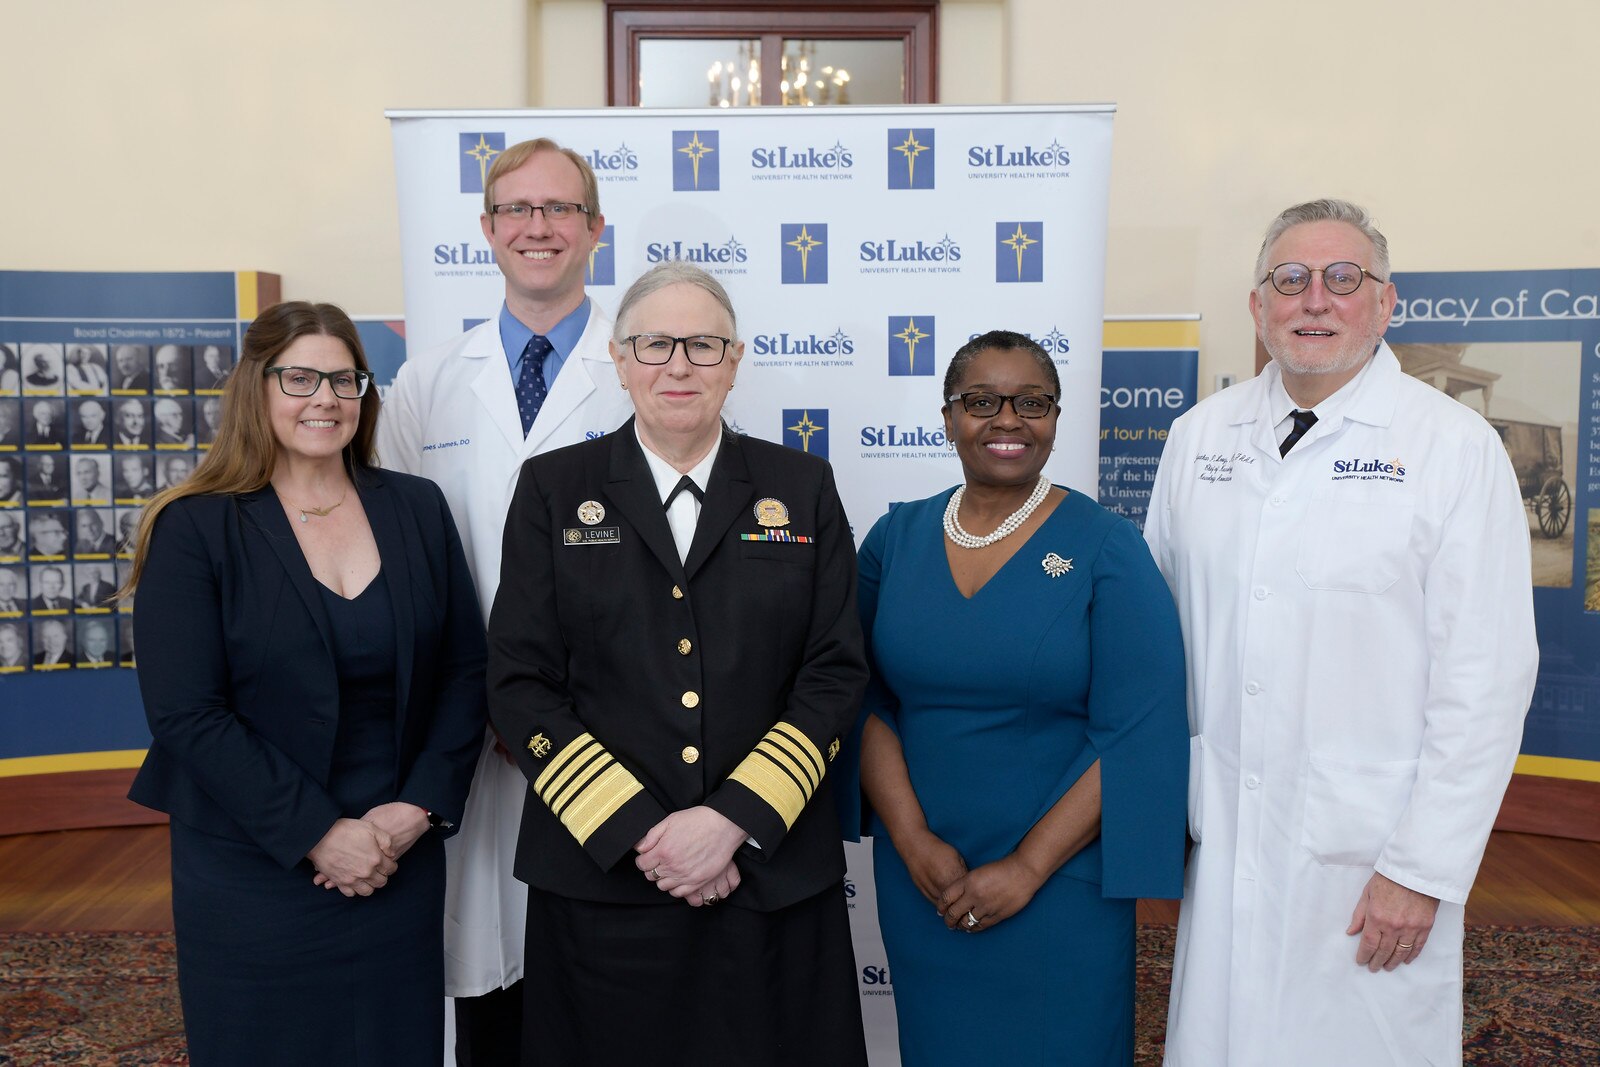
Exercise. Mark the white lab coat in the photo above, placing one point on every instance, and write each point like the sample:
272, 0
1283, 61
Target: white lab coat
1361, 654
451, 415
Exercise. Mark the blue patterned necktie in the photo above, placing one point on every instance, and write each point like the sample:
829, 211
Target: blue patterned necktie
531, 386
1303, 421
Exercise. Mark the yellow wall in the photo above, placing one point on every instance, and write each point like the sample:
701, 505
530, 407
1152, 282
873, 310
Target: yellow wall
1468, 129
191, 134
205, 135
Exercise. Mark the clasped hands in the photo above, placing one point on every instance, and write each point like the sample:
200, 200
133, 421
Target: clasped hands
968, 900
357, 856
689, 854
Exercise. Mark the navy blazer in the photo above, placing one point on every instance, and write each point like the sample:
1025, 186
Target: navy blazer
237, 672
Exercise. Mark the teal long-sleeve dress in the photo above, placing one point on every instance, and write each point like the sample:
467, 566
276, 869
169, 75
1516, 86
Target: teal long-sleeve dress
1001, 702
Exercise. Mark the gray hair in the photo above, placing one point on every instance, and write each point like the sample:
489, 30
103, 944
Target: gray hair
1327, 210
662, 275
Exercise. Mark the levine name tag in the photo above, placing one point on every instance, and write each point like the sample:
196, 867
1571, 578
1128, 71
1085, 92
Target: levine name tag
592, 535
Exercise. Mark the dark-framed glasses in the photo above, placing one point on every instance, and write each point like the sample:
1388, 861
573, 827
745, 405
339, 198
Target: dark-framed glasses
703, 350
1340, 279
988, 405
554, 211
303, 381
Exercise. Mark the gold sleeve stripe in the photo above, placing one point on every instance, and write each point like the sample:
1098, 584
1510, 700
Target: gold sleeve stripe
772, 785
784, 770
584, 786
582, 745
581, 780
788, 764
802, 745
600, 800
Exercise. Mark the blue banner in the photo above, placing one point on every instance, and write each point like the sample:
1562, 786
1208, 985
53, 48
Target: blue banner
110, 388
1523, 349
1141, 392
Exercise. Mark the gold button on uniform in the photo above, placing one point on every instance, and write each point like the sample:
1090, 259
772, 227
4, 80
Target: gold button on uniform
690, 754
684, 646
677, 594
691, 699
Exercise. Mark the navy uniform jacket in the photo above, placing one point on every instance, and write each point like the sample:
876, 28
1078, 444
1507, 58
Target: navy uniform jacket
630, 686
238, 676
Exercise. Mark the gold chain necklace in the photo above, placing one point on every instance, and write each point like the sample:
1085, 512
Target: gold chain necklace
320, 513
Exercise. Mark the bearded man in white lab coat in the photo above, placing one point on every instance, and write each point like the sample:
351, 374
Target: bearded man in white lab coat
1349, 555
538, 376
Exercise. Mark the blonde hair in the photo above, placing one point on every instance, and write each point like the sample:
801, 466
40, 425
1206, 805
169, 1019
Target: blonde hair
520, 153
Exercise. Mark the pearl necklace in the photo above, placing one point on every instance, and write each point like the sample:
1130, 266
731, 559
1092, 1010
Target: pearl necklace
952, 524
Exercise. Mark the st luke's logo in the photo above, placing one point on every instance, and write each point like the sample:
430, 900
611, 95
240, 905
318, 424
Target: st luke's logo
911, 158
805, 253
807, 430
911, 345
603, 258
1019, 251
477, 152
696, 166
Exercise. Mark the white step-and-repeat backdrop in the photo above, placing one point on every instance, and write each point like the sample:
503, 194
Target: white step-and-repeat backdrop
861, 246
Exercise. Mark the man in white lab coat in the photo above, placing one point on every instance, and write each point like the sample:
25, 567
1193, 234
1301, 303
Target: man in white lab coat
1349, 555
467, 414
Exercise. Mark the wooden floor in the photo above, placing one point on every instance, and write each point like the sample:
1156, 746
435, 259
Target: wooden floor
117, 879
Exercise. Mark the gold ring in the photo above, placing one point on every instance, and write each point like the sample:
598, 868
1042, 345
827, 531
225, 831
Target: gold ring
712, 899
655, 872
1401, 944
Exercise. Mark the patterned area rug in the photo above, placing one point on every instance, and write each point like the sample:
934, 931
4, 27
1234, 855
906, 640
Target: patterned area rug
1532, 996
101, 999
111, 1000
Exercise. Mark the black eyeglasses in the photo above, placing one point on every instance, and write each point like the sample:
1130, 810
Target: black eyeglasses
988, 405
703, 350
1340, 279
554, 211
303, 381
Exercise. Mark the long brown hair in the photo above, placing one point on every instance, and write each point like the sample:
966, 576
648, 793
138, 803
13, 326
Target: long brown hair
244, 453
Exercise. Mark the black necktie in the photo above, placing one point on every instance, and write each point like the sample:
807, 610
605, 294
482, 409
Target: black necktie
1303, 421
684, 483
531, 386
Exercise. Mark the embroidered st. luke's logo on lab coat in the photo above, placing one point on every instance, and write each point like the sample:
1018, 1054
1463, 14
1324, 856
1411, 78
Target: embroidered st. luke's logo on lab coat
1368, 470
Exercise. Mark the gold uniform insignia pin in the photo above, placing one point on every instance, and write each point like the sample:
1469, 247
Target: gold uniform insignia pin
833, 749
539, 745
590, 513
770, 511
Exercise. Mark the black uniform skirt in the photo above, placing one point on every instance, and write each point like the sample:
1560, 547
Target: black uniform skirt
274, 970
667, 985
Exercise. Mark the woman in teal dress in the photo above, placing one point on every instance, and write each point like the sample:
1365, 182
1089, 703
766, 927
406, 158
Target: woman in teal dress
1025, 745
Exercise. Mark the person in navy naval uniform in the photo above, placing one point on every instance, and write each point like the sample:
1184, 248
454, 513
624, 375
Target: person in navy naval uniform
675, 662
311, 662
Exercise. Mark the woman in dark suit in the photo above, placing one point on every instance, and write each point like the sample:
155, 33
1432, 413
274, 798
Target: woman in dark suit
311, 661
674, 660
